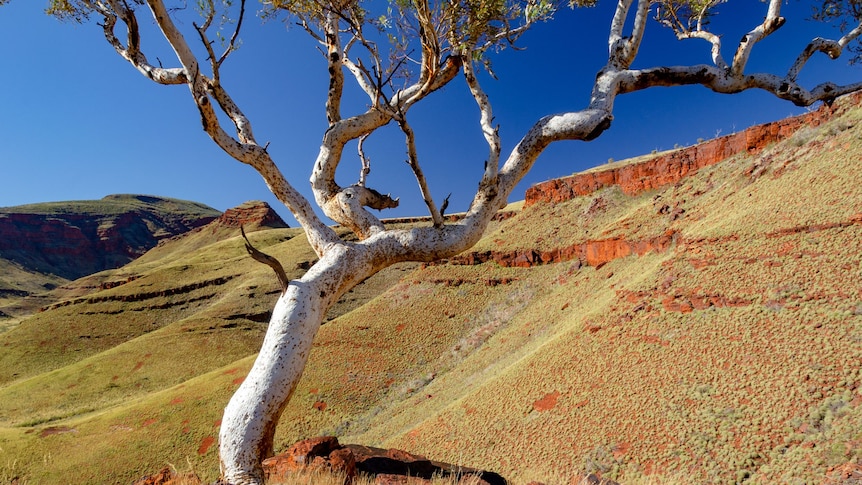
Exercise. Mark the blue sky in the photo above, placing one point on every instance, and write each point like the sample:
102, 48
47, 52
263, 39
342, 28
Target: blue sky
78, 122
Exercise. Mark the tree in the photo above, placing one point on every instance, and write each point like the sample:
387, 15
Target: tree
449, 39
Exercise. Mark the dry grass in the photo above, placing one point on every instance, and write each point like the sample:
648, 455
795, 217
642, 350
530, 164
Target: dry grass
326, 478
731, 356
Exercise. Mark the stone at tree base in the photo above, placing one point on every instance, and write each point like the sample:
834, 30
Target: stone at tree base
391, 466
322, 453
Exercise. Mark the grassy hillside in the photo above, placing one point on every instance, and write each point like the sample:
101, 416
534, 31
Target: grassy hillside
730, 352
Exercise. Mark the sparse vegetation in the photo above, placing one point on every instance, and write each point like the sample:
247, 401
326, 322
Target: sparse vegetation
732, 355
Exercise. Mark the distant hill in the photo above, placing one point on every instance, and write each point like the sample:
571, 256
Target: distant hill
693, 317
127, 226
44, 245
76, 238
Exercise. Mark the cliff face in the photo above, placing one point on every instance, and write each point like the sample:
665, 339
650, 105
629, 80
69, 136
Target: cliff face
253, 214
74, 239
669, 168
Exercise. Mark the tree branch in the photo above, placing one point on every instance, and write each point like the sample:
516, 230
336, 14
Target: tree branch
349, 205
233, 38
366, 163
336, 76
632, 45
615, 39
245, 150
429, 41
831, 48
362, 79
692, 25
492, 135
267, 260
770, 24
413, 161
611, 82
713, 39
131, 52
202, 33
327, 192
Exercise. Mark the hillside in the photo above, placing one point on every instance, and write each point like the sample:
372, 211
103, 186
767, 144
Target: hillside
703, 328
43, 246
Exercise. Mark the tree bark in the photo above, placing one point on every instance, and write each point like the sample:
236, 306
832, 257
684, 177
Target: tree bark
250, 418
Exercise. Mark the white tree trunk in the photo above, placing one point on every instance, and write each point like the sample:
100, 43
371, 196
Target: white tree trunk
250, 418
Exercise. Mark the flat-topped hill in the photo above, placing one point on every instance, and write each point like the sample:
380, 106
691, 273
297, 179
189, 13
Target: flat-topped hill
77, 238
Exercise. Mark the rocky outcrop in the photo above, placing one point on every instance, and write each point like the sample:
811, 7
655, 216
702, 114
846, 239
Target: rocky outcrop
387, 466
77, 238
669, 168
253, 213
315, 454
590, 253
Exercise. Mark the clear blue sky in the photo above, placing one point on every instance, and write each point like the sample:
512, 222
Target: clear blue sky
78, 122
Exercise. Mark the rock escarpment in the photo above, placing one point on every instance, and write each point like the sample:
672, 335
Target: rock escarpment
669, 168
77, 238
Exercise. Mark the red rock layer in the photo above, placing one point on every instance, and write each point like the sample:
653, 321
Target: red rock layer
670, 168
591, 253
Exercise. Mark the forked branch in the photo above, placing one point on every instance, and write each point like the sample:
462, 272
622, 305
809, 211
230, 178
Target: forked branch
243, 148
832, 48
772, 22
131, 52
692, 25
